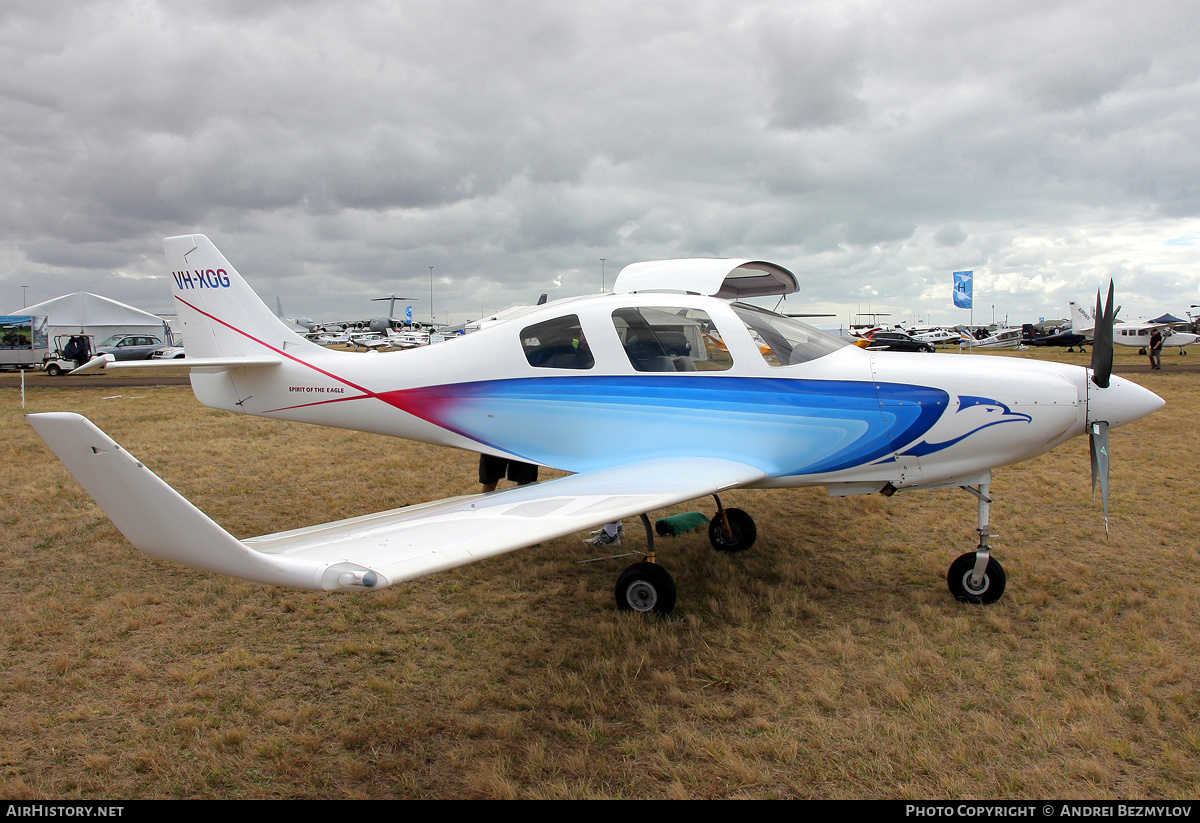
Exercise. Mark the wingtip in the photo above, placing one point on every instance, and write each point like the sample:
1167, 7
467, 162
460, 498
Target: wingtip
96, 365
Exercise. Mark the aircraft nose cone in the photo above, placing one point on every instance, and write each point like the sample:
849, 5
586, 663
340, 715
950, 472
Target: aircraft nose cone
1122, 402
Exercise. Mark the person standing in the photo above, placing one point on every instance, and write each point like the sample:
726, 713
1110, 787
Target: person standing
494, 469
1156, 344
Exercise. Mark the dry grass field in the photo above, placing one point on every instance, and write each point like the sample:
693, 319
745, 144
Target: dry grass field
829, 661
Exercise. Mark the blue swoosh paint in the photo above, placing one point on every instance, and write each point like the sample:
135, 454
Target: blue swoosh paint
783, 426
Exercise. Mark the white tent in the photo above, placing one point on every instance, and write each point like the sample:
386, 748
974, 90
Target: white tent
96, 315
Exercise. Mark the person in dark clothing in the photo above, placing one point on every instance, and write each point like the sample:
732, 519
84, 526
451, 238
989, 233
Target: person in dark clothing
494, 469
1156, 344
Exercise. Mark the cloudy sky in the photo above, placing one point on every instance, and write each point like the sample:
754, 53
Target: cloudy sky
336, 151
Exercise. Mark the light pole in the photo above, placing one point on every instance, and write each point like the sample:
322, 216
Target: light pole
432, 317
602, 274
24, 303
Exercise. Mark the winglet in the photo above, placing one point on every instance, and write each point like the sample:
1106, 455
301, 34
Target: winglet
157, 520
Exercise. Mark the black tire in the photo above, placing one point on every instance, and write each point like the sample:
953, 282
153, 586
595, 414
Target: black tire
53, 370
988, 591
646, 587
741, 527
929, 349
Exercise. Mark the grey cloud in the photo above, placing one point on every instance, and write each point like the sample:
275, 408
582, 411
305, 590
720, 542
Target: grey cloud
337, 151
950, 235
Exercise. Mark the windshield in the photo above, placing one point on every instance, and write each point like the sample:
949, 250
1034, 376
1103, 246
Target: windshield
112, 341
785, 341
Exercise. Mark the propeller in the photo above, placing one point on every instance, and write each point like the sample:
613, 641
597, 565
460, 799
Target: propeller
1102, 363
1102, 340
1098, 439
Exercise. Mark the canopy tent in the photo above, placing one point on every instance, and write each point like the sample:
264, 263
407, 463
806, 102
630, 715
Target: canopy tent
1167, 318
92, 314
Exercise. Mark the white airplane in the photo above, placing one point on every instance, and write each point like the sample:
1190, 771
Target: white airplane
407, 338
937, 336
1138, 335
999, 339
618, 388
1135, 335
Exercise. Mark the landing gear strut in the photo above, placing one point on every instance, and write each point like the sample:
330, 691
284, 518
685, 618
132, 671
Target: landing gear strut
648, 587
977, 577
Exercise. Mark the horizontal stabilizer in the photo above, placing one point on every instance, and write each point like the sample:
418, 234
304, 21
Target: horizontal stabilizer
378, 549
106, 362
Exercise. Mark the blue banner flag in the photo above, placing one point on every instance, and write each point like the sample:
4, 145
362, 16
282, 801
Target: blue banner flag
962, 289
408, 314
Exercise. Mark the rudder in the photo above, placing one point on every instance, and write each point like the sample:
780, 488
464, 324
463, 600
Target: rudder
220, 315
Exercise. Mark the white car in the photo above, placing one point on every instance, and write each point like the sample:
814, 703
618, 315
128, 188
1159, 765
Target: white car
168, 353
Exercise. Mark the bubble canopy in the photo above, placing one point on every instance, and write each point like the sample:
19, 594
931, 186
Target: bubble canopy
716, 277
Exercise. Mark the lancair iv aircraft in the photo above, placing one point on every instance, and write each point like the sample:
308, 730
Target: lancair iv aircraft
622, 390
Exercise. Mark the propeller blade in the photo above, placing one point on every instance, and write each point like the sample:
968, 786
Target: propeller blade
1102, 340
1098, 440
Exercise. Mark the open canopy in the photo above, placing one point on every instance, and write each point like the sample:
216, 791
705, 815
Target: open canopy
717, 277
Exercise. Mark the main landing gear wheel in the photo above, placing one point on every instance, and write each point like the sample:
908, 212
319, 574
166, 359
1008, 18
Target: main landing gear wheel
988, 590
742, 531
646, 587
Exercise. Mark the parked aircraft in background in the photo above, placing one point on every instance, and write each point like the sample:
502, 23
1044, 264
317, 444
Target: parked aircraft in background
1134, 335
618, 388
895, 341
937, 336
306, 323
1138, 335
1068, 339
999, 339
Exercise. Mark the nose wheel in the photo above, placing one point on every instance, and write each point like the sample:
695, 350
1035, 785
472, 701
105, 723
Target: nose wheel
967, 587
977, 577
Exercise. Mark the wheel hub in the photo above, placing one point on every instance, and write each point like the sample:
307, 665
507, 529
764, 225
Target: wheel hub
975, 588
641, 596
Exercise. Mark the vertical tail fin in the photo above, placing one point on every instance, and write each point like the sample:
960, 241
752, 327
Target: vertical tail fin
220, 314
1080, 322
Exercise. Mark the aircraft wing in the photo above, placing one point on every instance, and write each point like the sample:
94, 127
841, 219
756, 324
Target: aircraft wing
380, 549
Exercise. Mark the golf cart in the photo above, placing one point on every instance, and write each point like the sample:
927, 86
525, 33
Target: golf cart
69, 353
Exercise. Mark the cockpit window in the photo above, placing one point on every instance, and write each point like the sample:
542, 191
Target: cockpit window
670, 339
557, 344
785, 341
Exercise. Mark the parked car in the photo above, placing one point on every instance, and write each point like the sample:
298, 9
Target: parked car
897, 341
168, 353
129, 346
